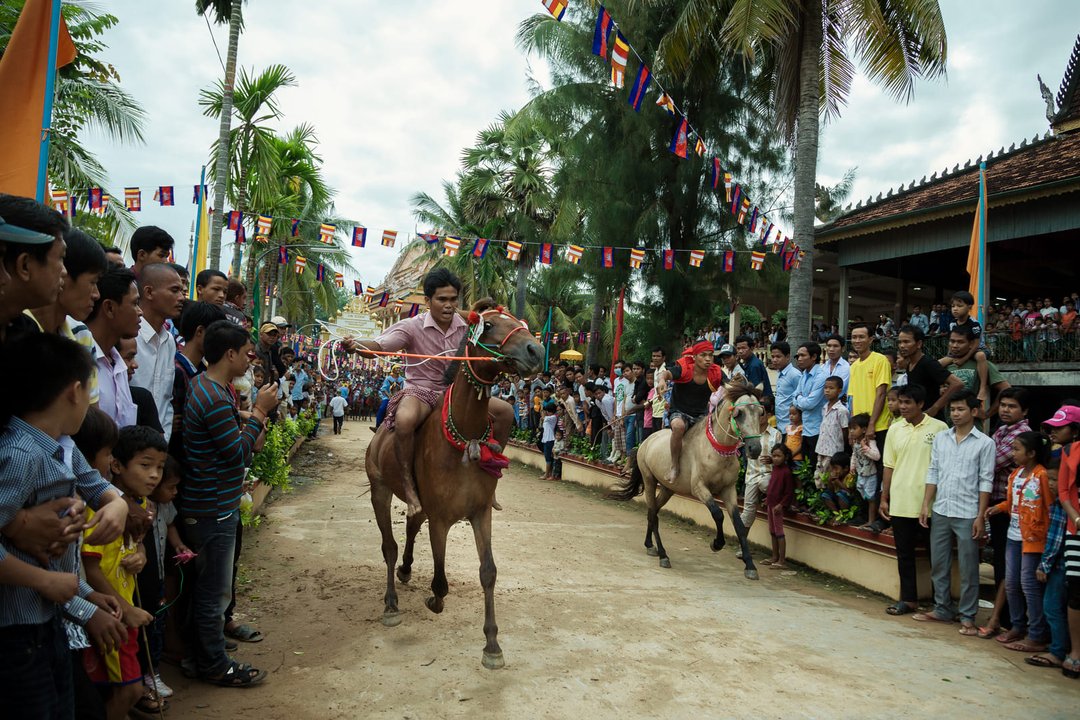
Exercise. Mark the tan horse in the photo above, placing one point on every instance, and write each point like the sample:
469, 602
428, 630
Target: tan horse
709, 468
449, 480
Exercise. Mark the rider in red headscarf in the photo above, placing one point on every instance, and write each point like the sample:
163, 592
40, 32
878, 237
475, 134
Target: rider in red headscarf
695, 378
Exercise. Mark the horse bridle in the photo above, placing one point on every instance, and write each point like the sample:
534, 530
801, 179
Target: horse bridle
740, 437
495, 353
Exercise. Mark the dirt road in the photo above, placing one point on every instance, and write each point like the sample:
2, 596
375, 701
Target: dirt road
589, 624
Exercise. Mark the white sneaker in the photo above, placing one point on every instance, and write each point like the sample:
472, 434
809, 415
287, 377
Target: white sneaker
155, 682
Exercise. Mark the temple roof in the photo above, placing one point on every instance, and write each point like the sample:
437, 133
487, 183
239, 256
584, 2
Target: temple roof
1068, 97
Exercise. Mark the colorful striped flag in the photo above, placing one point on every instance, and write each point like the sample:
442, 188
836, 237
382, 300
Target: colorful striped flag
669, 259
339, 279
641, 85
60, 200
602, 33
513, 250
666, 102
607, 256
320, 272
282, 256
241, 235
370, 292
133, 199
301, 263
164, 195
699, 147
547, 253
798, 258
263, 225
678, 142
384, 300
389, 237
778, 245
105, 198
359, 236
414, 310
295, 227
236, 218
358, 288
766, 231
743, 209
451, 245
620, 55
574, 253
480, 247
397, 306
788, 259
729, 261
727, 187
753, 219
95, 198
195, 194
429, 238
696, 256
757, 260
714, 174
326, 233
637, 256
735, 198
557, 8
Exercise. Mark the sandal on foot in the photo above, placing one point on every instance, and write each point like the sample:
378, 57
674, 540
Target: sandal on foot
969, 630
151, 705
1026, 647
988, 632
237, 675
1042, 661
900, 608
1070, 668
1010, 637
244, 633
930, 617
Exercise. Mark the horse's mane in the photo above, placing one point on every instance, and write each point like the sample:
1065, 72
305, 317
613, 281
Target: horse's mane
481, 305
738, 388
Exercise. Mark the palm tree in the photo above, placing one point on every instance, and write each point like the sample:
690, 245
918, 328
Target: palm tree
225, 11
829, 200
804, 48
251, 155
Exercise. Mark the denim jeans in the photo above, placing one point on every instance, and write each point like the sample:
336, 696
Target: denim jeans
36, 681
1024, 591
214, 541
1055, 611
631, 432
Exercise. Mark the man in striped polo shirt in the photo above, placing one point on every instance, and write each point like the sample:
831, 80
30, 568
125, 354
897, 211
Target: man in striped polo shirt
219, 443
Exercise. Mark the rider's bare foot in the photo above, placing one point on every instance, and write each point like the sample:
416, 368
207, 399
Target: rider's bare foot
495, 504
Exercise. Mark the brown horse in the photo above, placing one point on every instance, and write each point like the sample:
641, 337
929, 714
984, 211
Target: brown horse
710, 467
450, 447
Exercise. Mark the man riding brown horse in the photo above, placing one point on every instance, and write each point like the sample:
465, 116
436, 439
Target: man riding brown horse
440, 330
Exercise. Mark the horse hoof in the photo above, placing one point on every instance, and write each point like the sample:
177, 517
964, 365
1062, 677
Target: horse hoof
652, 552
403, 576
665, 563
750, 573
391, 618
493, 661
434, 604
717, 546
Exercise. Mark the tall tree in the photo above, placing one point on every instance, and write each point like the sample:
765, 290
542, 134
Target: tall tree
807, 50
225, 11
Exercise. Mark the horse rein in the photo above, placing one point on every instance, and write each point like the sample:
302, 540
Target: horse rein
740, 437
495, 352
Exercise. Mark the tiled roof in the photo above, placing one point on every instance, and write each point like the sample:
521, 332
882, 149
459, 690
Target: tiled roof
1068, 97
1034, 163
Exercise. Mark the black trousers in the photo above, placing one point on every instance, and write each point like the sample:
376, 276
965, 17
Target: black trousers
907, 535
999, 538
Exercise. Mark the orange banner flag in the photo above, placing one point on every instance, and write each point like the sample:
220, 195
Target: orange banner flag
23, 70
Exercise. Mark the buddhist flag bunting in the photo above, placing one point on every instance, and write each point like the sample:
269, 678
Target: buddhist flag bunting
753, 219
547, 253
788, 259
100, 210
359, 236
451, 246
326, 233
714, 174
235, 218
60, 200
798, 258
637, 256
727, 187
263, 225
743, 209
282, 256
696, 256
95, 198
766, 231
397, 305
358, 288
414, 310
678, 142
757, 259
729, 261
133, 199
602, 33
429, 238
573, 253
666, 102
195, 194
620, 55
513, 250
339, 279
241, 235
699, 147
384, 300
301, 263
607, 257
557, 8
164, 195
641, 84
389, 237
370, 292
295, 227
736, 197
320, 272
776, 247
669, 259
480, 247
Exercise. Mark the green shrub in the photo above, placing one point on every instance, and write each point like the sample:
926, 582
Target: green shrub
271, 464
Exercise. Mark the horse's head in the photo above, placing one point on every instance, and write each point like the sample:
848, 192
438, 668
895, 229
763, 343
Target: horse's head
500, 336
746, 414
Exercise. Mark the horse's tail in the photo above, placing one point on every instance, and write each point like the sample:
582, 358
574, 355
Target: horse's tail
633, 485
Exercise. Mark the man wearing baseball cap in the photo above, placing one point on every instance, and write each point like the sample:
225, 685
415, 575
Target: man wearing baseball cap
32, 272
267, 350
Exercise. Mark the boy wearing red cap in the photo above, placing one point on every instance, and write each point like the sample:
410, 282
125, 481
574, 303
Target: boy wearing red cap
695, 377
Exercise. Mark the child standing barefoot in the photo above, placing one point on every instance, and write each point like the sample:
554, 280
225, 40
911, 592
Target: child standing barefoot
781, 494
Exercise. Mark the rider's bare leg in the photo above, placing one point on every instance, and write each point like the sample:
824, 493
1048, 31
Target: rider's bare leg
678, 429
411, 413
502, 419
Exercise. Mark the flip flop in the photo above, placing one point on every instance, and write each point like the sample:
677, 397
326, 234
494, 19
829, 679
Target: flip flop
1041, 661
1010, 637
930, 617
244, 633
987, 632
969, 631
900, 608
1026, 647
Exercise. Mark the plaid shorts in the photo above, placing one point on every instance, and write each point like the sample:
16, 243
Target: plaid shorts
618, 435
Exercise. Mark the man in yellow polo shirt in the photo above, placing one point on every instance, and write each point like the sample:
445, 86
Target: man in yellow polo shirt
870, 378
907, 460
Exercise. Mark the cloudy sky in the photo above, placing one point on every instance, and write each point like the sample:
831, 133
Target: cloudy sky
396, 89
